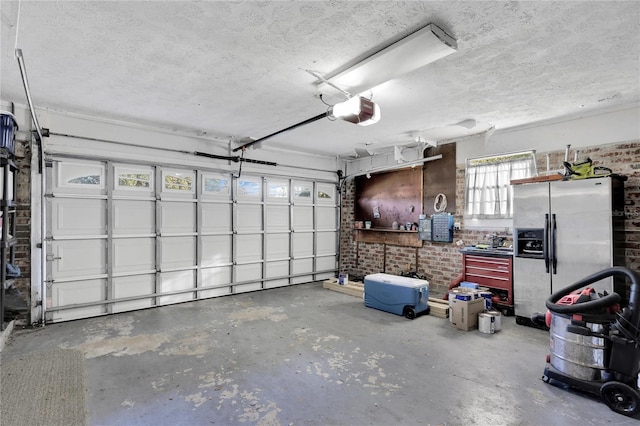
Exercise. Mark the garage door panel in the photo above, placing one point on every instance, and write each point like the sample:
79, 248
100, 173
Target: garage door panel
76, 313
301, 266
277, 269
276, 283
177, 217
326, 243
134, 255
248, 248
244, 288
277, 218
249, 217
134, 217
327, 219
213, 277
206, 234
214, 292
302, 244
73, 292
177, 252
277, 246
135, 285
303, 218
78, 217
215, 217
324, 263
174, 281
248, 272
216, 250
78, 258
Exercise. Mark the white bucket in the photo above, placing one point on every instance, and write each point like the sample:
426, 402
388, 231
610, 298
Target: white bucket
497, 319
486, 323
343, 279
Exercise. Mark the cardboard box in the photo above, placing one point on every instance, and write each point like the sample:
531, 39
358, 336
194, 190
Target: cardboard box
464, 314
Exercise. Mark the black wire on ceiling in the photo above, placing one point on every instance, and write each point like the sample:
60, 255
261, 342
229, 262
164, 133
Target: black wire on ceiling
323, 101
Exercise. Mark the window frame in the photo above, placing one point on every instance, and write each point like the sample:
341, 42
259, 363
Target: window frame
497, 182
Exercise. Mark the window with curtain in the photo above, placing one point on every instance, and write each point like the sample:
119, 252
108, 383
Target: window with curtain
488, 189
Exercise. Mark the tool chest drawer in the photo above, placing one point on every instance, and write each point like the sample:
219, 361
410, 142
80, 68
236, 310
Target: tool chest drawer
489, 271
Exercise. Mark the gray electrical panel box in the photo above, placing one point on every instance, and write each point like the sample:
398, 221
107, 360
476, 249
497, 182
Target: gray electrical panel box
424, 229
442, 227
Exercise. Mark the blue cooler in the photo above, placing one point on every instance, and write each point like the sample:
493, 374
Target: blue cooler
398, 295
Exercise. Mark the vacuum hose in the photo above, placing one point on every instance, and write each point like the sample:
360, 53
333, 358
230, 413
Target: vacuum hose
633, 310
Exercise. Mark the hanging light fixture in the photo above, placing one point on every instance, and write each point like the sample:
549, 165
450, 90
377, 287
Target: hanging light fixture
357, 110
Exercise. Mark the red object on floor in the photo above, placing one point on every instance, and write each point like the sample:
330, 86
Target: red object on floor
455, 283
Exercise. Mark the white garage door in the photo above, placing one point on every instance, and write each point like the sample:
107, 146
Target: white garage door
124, 236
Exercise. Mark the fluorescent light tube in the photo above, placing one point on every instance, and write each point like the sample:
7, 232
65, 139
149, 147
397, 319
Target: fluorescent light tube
416, 50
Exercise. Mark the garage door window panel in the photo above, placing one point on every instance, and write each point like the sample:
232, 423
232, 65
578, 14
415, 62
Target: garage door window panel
79, 177
133, 180
178, 183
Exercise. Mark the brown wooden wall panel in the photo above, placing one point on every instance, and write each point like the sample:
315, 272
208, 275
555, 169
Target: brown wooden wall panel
440, 177
393, 194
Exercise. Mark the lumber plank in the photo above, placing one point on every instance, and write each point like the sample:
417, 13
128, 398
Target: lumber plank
352, 288
438, 308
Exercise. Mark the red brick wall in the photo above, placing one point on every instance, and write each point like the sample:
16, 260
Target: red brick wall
23, 217
441, 262
624, 159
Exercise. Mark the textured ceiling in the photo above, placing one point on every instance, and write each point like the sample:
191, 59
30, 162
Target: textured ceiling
234, 70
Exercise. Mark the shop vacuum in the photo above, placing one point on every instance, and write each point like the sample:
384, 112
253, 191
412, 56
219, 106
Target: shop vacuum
595, 345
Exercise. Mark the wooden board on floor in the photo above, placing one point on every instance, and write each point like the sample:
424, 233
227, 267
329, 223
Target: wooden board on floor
352, 288
438, 308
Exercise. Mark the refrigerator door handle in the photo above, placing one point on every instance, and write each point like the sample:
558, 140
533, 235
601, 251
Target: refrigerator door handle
554, 235
545, 242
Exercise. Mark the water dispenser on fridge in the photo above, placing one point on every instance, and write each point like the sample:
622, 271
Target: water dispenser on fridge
530, 243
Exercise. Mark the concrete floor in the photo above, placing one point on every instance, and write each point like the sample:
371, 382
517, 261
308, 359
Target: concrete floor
304, 355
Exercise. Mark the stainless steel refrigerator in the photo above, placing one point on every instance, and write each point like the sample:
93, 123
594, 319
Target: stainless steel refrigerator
564, 231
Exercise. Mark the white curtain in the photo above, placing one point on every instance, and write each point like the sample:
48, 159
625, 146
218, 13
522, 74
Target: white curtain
489, 193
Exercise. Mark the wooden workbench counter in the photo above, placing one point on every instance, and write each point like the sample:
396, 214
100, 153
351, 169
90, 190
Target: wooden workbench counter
387, 236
